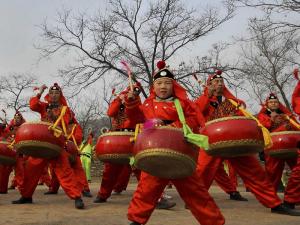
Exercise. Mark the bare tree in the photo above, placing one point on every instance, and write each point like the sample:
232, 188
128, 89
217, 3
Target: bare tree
141, 32
266, 60
15, 90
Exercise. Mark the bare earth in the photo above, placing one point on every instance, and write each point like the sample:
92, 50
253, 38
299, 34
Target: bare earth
59, 210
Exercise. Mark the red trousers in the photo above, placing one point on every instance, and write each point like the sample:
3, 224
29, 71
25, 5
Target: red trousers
62, 169
223, 180
249, 169
190, 189
274, 169
79, 173
124, 178
4, 177
110, 177
45, 177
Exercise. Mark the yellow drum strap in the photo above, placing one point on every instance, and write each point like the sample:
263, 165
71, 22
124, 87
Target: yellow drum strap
57, 132
265, 131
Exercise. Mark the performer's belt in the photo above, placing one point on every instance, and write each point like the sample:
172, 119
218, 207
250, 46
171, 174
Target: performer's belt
125, 129
86, 154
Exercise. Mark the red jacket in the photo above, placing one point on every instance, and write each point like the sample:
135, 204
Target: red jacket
41, 107
120, 119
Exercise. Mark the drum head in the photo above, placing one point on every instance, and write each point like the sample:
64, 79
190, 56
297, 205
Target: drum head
166, 164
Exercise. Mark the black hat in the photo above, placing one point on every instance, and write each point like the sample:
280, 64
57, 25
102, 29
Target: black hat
163, 71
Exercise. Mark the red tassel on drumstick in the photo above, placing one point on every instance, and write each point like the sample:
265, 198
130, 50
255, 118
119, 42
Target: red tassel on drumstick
296, 72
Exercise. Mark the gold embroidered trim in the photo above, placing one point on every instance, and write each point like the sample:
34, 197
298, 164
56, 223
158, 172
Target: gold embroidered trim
227, 118
224, 144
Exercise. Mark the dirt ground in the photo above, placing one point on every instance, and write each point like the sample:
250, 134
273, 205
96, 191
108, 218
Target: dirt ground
59, 210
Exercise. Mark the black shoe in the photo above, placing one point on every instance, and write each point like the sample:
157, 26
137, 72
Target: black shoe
289, 205
282, 209
164, 203
99, 200
87, 194
50, 193
22, 200
3, 192
79, 203
135, 223
236, 196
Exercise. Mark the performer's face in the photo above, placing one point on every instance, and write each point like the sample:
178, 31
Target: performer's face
54, 96
18, 119
163, 87
218, 85
273, 104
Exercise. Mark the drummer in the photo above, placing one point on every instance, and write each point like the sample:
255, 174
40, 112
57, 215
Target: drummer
50, 111
214, 103
120, 122
76, 166
10, 132
160, 105
274, 116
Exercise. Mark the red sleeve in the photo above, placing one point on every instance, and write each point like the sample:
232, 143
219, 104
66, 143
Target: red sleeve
114, 107
134, 108
202, 104
265, 120
296, 99
78, 134
36, 105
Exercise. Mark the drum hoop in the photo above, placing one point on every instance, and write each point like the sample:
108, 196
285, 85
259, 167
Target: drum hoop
228, 118
163, 152
251, 142
284, 132
39, 122
11, 160
39, 143
113, 156
118, 133
5, 142
169, 128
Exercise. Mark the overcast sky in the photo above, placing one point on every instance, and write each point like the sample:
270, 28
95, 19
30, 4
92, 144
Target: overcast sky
19, 32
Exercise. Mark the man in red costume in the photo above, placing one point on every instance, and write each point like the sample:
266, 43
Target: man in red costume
50, 111
120, 122
76, 134
160, 105
214, 103
274, 116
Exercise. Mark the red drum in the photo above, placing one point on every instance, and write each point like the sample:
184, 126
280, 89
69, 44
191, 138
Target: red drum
7, 156
164, 152
233, 137
37, 140
72, 151
284, 144
115, 147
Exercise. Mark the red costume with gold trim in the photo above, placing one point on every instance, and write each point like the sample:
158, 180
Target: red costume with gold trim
247, 167
60, 165
150, 188
112, 172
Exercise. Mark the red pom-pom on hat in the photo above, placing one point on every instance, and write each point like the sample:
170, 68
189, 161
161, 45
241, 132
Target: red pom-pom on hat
296, 72
219, 72
161, 64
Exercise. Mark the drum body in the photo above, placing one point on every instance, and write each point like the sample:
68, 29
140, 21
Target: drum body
115, 147
35, 139
164, 152
284, 144
233, 137
7, 156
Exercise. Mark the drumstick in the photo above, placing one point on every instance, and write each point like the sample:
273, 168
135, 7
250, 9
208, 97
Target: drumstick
129, 74
199, 81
